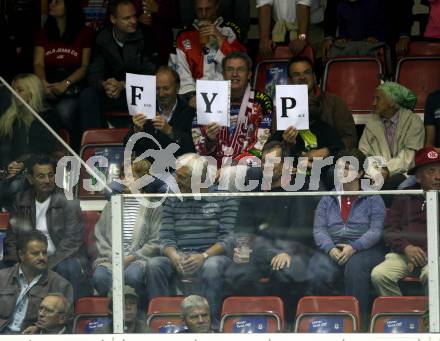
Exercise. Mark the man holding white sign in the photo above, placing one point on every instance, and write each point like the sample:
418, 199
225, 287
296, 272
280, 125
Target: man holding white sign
172, 121
250, 118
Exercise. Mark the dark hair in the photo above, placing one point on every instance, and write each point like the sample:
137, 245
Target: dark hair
173, 73
271, 145
39, 159
75, 20
238, 55
24, 238
299, 59
352, 152
114, 4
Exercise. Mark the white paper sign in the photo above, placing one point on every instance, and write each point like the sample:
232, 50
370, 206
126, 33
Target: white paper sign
292, 103
213, 102
141, 94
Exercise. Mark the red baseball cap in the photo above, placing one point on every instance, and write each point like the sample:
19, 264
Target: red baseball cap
425, 156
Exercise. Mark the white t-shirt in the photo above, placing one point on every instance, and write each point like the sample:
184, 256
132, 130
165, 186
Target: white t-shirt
286, 9
41, 223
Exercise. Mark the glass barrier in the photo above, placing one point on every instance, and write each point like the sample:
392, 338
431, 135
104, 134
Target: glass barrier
249, 262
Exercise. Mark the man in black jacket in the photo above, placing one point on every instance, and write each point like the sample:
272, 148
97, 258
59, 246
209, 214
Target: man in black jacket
118, 49
173, 121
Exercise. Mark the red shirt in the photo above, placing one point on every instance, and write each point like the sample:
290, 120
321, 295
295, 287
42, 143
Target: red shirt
58, 54
346, 205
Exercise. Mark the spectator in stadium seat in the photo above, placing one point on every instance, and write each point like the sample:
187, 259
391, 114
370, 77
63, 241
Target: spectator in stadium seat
195, 238
370, 21
405, 230
432, 120
21, 134
201, 48
394, 132
320, 141
140, 242
61, 56
119, 48
348, 231
134, 322
174, 117
432, 29
158, 17
45, 208
334, 110
195, 315
25, 284
302, 19
278, 238
251, 116
53, 315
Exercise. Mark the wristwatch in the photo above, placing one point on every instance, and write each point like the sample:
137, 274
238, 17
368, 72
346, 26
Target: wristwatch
205, 255
68, 83
302, 36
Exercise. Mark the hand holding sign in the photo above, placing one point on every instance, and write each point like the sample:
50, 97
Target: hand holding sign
292, 107
213, 102
141, 95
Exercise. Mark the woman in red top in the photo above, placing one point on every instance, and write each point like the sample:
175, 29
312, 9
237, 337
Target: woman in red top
61, 56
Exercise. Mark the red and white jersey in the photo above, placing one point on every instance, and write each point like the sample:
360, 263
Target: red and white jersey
196, 61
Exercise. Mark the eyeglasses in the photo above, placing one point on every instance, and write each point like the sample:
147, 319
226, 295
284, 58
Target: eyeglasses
240, 69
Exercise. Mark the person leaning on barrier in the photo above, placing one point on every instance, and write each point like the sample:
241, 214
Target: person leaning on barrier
25, 284
195, 314
44, 207
405, 230
53, 314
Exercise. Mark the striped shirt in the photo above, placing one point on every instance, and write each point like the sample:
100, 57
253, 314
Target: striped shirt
130, 214
198, 224
390, 126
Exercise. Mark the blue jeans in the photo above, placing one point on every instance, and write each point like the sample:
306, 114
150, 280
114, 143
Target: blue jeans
210, 275
133, 276
71, 270
324, 274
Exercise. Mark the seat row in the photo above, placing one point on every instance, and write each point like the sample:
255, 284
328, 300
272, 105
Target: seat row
265, 314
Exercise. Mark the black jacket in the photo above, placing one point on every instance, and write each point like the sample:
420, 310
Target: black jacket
181, 121
109, 60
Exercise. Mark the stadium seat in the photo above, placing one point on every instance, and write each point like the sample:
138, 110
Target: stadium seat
4, 220
90, 218
398, 314
163, 314
421, 75
423, 49
283, 52
108, 143
354, 80
88, 309
269, 73
252, 314
327, 314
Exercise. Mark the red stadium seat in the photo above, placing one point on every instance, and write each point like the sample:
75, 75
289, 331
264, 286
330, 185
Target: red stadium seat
317, 314
398, 314
4, 220
90, 218
283, 52
104, 142
164, 314
423, 49
354, 80
88, 309
249, 314
421, 75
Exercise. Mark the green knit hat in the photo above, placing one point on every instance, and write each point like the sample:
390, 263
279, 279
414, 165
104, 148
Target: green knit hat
399, 94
